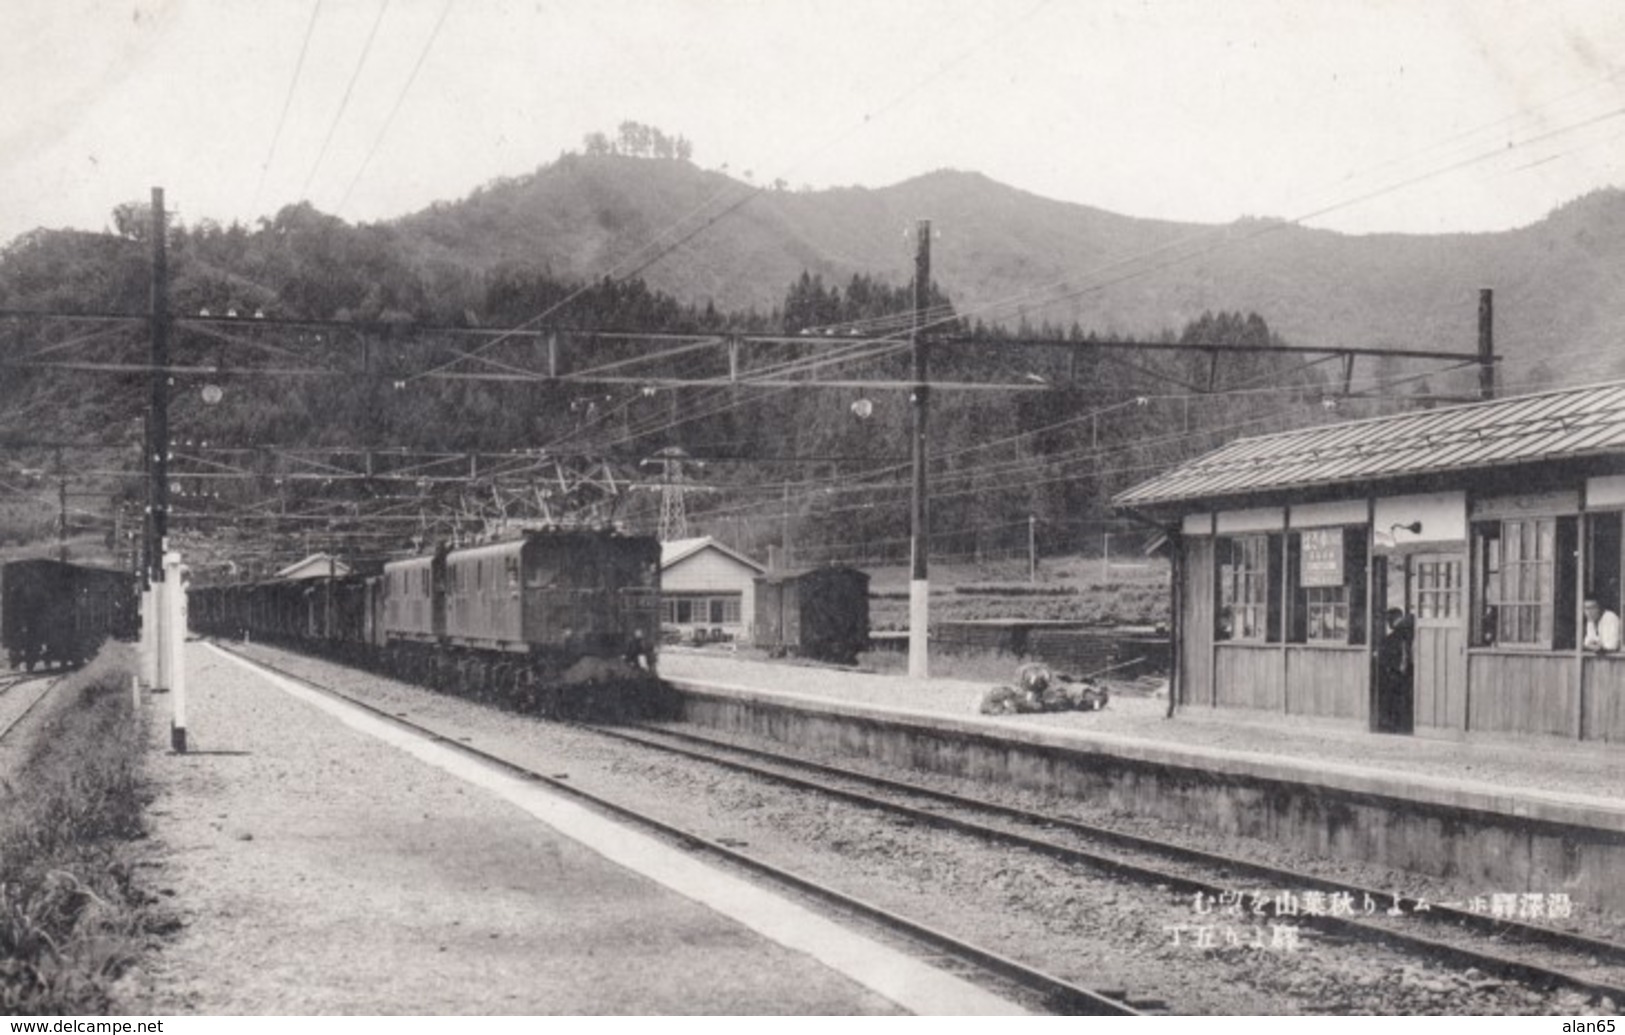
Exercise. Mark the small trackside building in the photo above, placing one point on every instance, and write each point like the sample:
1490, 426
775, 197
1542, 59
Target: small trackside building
316, 566
707, 590
1485, 526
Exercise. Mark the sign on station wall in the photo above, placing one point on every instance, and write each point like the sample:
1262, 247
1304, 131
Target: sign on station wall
1322, 559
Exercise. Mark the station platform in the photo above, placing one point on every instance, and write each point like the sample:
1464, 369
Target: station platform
1559, 770
318, 863
1507, 814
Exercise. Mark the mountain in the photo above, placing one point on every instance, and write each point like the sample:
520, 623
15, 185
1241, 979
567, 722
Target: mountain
699, 250
1558, 282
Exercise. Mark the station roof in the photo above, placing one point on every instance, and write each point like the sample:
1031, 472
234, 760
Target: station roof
1567, 424
674, 551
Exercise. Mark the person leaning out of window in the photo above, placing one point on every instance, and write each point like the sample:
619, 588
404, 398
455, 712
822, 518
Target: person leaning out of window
1602, 628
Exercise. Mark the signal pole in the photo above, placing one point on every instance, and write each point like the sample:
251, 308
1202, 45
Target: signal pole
919, 586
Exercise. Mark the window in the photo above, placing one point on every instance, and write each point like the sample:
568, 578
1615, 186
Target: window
543, 571
1438, 589
1603, 559
1526, 581
1249, 588
701, 610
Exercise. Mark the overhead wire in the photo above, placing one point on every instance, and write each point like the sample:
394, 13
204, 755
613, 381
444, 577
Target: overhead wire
881, 321
1036, 296
855, 481
344, 102
1223, 236
287, 103
395, 109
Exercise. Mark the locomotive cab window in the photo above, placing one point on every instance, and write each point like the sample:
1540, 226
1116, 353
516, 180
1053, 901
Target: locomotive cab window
542, 572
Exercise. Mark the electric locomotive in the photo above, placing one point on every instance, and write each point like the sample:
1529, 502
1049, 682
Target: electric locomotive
562, 622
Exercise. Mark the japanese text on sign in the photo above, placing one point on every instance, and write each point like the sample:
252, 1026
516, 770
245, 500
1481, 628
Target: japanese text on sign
1322, 557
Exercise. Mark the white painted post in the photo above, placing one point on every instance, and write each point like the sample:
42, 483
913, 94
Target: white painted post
141, 643
149, 636
919, 620
175, 637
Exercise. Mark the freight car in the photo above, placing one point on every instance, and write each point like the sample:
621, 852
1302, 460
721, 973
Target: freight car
56, 613
820, 613
560, 622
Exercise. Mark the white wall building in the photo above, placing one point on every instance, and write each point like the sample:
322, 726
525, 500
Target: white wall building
707, 590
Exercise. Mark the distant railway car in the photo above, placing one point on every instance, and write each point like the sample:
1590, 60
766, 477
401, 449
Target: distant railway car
820, 613
55, 613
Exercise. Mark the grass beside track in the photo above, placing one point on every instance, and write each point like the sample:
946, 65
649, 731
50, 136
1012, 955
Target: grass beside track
71, 918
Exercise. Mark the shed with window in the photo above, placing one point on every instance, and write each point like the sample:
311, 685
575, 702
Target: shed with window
707, 591
1424, 572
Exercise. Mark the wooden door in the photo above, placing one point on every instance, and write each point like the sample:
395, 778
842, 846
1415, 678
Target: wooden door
1437, 600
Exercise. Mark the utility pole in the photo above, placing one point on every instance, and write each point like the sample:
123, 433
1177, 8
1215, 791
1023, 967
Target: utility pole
158, 420
1486, 343
166, 600
919, 586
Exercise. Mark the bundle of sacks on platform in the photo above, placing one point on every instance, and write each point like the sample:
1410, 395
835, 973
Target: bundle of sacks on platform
1038, 689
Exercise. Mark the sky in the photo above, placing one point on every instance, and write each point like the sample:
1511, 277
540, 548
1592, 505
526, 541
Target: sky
1361, 116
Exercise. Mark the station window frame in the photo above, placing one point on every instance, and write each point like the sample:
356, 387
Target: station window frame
1604, 578
1248, 584
1329, 616
1525, 582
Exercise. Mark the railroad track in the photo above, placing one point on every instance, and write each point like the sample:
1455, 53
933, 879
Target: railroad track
1192, 870
1055, 994
11, 679
9, 682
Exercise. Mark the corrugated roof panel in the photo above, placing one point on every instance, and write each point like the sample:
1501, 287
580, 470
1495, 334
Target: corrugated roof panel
1550, 425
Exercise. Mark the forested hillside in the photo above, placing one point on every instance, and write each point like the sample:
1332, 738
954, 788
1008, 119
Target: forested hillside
822, 470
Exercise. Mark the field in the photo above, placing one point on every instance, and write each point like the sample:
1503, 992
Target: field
1068, 589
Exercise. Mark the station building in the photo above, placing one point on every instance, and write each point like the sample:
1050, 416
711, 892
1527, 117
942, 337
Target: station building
1424, 572
707, 590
